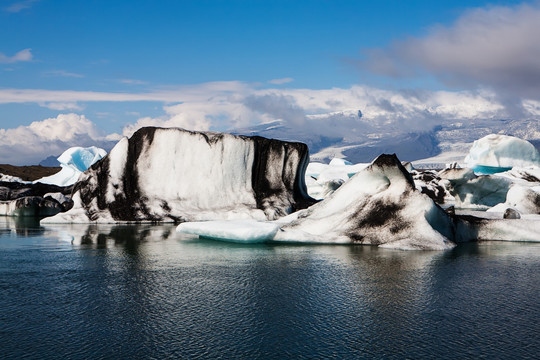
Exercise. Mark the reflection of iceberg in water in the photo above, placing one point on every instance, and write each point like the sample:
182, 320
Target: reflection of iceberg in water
21, 226
108, 235
145, 289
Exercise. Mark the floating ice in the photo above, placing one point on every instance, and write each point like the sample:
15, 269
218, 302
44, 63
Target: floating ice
525, 229
474, 192
378, 206
496, 153
31, 206
10, 178
523, 199
178, 175
471, 191
74, 161
244, 231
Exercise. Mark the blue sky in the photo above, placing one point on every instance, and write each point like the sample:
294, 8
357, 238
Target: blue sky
109, 64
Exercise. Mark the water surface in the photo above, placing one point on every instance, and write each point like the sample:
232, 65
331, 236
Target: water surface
148, 292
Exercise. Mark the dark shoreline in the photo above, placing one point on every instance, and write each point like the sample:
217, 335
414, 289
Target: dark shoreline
28, 173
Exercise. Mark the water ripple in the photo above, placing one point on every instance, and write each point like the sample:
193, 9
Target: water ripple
142, 295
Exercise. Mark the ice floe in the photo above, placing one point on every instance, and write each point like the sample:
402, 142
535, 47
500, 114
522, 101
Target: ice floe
252, 189
244, 231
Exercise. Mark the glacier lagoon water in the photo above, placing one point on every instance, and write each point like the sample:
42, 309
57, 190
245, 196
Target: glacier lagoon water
148, 292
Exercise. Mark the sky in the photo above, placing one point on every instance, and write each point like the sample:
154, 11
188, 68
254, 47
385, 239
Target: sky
89, 72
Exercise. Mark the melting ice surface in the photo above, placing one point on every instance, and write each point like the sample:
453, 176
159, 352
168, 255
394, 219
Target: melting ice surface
74, 161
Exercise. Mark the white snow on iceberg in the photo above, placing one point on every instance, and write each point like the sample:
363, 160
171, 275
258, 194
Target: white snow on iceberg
74, 161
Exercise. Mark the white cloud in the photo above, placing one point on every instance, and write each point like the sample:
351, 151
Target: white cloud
330, 112
132, 82
20, 5
62, 106
231, 105
166, 95
65, 127
31, 144
62, 73
204, 114
23, 55
495, 46
281, 81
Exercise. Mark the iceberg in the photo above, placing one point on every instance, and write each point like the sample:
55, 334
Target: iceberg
522, 200
513, 188
378, 206
497, 153
175, 175
28, 199
10, 178
74, 161
509, 226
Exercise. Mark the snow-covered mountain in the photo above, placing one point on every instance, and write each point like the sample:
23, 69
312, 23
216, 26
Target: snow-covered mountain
447, 142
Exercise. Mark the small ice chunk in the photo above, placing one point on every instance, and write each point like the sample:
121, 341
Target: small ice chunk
525, 199
81, 158
242, 231
9, 178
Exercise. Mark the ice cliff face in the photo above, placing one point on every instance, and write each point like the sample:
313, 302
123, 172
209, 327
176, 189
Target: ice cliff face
178, 175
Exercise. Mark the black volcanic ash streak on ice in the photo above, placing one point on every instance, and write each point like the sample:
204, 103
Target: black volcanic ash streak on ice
273, 188
383, 212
